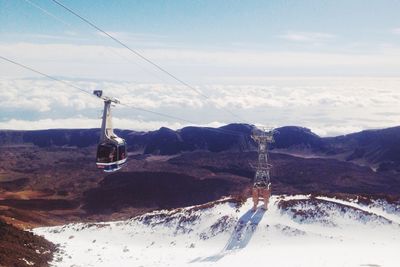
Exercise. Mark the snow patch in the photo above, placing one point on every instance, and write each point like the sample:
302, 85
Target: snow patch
295, 231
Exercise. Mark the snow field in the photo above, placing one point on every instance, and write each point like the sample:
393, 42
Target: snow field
309, 232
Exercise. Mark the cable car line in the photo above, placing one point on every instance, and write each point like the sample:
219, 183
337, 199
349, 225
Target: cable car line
47, 12
119, 55
123, 104
146, 59
123, 57
83, 90
44, 74
112, 150
128, 60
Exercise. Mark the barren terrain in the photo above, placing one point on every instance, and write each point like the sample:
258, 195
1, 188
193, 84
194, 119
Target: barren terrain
49, 178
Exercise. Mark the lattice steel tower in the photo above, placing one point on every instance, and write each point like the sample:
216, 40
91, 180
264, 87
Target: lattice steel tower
263, 138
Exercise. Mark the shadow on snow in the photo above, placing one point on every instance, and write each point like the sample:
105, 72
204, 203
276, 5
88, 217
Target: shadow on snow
241, 235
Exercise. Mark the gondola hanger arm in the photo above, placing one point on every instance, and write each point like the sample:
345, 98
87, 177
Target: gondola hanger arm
99, 93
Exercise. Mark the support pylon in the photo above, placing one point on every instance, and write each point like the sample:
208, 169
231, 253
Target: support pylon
262, 176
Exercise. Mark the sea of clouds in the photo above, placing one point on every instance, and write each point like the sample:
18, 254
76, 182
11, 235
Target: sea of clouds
329, 106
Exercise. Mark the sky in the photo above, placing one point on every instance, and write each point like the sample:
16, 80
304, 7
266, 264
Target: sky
331, 66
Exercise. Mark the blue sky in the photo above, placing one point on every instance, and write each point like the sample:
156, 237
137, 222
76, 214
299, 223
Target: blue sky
207, 23
326, 35
247, 55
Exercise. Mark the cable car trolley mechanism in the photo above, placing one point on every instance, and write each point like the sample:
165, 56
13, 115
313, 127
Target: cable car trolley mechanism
111, 150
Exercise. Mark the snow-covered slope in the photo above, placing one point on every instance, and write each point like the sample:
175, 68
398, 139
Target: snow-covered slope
295, 231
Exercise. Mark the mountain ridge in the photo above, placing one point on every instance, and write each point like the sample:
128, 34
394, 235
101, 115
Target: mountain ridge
379, 148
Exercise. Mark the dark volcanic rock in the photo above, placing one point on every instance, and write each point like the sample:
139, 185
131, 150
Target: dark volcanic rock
297, 137
52, 137
377, 147
294, 175
153, 190
168, 142
315, 175
21, 248
63, 137
14, 185
380, 148
165, 142
51, 175
231, 137
40, 204
161, 142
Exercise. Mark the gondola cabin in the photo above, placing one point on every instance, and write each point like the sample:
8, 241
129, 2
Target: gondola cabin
111, 150
111, 157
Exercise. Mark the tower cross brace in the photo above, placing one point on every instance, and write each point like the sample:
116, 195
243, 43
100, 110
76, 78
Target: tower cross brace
263, 139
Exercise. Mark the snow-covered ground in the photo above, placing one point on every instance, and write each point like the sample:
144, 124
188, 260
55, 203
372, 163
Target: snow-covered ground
295, 231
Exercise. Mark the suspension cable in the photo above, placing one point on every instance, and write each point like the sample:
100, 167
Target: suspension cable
123, 104
47, 12
146, 59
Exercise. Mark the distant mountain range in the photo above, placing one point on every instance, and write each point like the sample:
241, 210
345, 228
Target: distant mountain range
49, 177
379, 149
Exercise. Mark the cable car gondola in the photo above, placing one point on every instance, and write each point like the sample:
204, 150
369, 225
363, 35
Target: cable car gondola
111, 150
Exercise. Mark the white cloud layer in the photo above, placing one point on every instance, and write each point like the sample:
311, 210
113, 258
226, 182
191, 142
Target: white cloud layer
308, 37
329, 106
85, 123
396, 30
